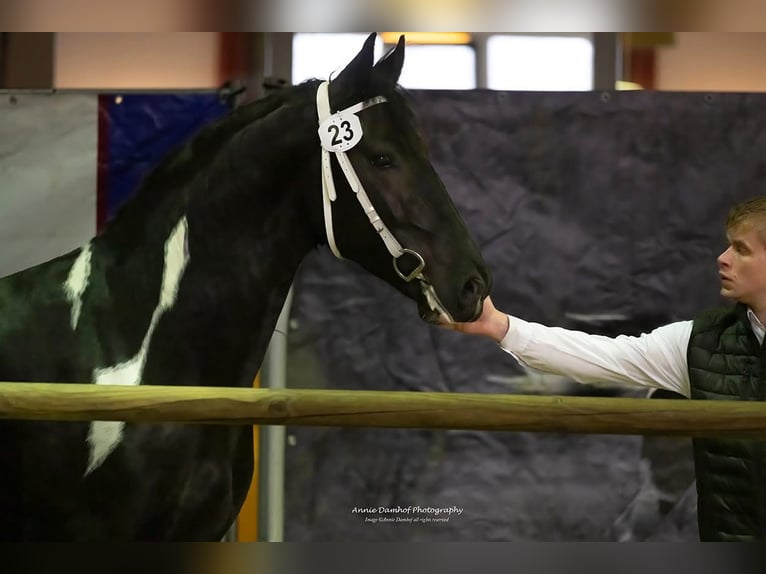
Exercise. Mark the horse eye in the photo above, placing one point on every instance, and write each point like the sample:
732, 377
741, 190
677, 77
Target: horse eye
381, 161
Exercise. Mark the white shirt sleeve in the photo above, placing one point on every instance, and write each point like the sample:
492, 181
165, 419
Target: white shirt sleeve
656, 359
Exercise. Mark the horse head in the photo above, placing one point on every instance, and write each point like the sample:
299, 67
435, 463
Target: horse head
384, 205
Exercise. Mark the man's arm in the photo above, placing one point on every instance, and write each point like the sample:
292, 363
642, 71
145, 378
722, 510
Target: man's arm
656, 359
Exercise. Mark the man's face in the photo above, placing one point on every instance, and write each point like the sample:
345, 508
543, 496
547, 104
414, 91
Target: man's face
742, 267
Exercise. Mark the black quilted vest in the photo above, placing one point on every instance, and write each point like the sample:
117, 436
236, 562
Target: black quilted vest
726, 363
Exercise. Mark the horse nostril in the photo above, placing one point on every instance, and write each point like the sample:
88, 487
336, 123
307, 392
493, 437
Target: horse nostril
472, 290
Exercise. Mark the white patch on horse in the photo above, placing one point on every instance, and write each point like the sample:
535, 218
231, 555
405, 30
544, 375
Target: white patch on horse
77, 282
104, 436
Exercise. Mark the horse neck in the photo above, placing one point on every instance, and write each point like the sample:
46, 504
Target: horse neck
234, 239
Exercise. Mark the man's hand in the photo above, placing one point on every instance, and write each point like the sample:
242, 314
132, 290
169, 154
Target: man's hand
492, 323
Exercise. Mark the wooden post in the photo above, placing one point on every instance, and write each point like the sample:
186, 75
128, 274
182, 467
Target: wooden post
27, 60
247, 520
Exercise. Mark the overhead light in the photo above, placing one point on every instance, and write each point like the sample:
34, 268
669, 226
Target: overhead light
427, 37
624, 85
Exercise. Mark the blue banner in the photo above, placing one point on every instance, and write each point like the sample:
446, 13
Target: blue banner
137, 131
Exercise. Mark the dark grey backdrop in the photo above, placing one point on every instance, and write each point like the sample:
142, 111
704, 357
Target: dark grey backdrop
583, 204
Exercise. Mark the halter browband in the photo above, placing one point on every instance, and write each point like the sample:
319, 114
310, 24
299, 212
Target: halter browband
329, 193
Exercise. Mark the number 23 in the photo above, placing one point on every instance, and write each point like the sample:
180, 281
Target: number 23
348, 135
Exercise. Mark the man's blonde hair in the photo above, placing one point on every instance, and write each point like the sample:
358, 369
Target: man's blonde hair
750, 212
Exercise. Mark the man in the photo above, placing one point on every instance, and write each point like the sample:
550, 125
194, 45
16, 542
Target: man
719, 355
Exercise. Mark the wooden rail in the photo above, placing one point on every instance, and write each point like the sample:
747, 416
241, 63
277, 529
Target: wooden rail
391, 409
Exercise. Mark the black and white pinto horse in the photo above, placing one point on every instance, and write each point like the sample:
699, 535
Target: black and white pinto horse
185, 286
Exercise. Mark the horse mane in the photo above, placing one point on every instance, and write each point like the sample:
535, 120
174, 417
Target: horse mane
193, 157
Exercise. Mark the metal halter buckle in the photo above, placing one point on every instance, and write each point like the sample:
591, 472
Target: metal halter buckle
418, 269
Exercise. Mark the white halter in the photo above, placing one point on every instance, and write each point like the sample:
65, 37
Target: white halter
346, 122
347, 119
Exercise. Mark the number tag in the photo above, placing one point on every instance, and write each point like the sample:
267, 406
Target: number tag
340, 132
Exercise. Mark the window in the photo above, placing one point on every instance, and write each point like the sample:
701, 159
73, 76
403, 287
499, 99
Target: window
539, 63
444, 66
531, 62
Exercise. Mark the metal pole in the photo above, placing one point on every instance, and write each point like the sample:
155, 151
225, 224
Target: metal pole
480, 49
607, 60
272, 438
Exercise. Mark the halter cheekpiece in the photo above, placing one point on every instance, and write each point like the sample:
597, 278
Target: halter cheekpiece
339, 132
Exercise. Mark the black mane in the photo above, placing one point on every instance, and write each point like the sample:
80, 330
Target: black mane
194, 157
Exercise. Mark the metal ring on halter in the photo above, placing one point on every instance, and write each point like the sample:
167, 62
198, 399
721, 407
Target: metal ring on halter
421, 265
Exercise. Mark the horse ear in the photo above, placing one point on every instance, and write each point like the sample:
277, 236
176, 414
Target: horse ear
355, 77
389, 67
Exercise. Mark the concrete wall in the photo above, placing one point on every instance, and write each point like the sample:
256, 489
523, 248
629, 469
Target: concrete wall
136, 60
713, 61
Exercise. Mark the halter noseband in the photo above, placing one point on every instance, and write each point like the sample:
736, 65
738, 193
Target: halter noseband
338, 132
